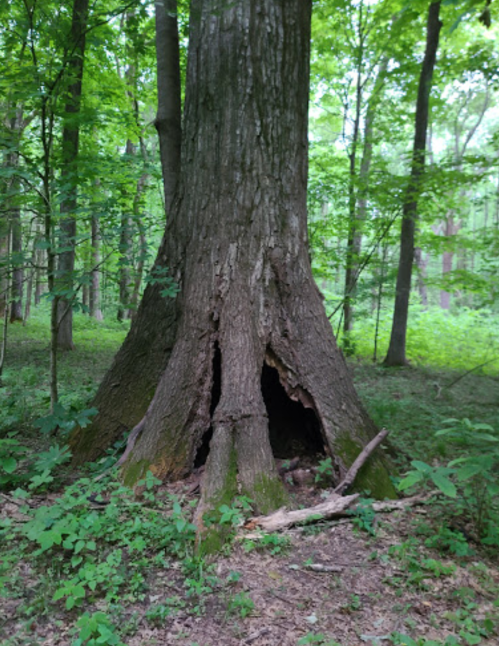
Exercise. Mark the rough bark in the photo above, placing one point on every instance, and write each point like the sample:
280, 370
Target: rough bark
168, 117
396, 355
236, 244
70, 144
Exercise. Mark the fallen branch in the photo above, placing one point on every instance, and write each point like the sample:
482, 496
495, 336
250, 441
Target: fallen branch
359, 462
397, 505
335, 506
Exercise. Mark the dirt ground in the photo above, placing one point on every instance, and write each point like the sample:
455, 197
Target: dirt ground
329, 583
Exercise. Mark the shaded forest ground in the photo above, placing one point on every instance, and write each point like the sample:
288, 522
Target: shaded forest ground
124, 571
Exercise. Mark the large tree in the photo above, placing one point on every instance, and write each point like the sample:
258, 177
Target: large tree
242, 364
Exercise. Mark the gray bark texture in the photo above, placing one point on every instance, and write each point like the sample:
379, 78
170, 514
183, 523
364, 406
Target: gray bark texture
236, 244
396, 355
168, 117
70, 144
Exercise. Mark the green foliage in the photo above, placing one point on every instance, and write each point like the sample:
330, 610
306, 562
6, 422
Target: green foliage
160, 276
273, 543
470, 479
460, 341
96, 630
64, 420
16, 468
363, 515
100, 552
241, 604
324, 475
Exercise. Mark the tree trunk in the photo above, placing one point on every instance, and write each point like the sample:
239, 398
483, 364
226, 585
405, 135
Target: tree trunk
16, 308
251, 346
94, 288
4, 266
16, 260
134, 301
358, 215
69, 174
396, 355
421, 263
125, 261
39, 259
168, 117
129, 385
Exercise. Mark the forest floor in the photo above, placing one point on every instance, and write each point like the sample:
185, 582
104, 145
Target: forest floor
418, 577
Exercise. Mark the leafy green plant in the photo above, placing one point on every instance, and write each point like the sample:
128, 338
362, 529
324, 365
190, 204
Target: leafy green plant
274, 543
240, 604
324, 475
64, 420
10, 453
96, 630
363, 515
471, 478
449, 540
16, 468
156, 615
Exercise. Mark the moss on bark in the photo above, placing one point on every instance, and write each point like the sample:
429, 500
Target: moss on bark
373, 476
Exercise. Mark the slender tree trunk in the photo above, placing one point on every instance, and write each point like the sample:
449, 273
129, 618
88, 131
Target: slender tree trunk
94, 291
140, 361
358, 213
168, 117
69, 174
421, 263
248, 321
353, 238
125, 261
14, 218
5, 313
29, 284
4, 268
396, 355
39, 259
140, 269
16, 308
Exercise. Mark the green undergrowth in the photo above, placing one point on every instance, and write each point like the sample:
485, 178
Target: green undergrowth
25, 392
80, 553
436, 339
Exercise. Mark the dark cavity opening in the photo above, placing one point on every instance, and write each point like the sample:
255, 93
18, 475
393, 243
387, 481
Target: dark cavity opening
293, 429
216, 390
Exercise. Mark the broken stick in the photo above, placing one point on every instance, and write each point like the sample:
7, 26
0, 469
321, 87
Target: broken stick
359, 461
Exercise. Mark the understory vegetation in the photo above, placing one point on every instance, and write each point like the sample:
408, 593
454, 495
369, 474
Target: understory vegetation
84, 561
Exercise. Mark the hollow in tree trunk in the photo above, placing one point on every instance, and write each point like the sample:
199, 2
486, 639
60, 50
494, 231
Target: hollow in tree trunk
250, 368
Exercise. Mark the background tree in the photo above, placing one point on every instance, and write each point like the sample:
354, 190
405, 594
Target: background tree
396, 355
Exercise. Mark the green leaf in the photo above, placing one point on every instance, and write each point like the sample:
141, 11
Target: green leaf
444, 484
410, 480
421, 466
8, 464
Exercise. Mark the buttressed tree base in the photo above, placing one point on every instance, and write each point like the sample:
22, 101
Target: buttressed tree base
241, 366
